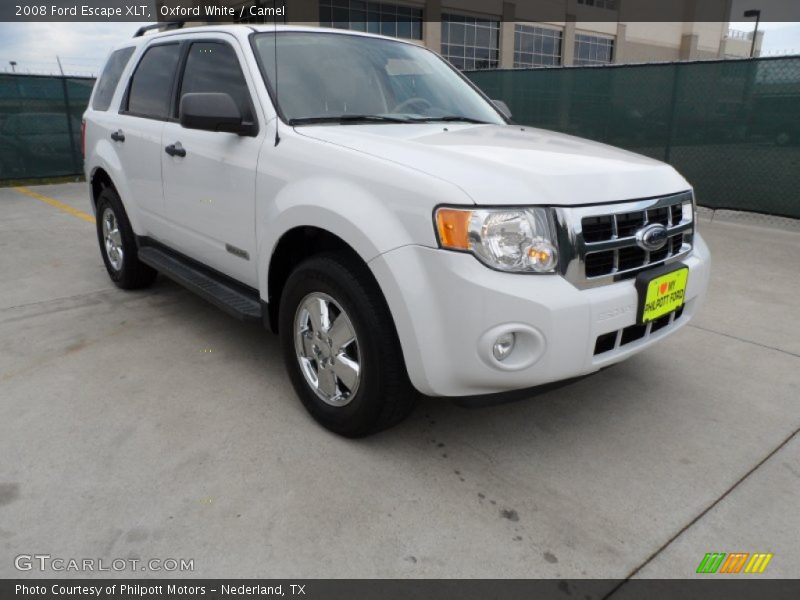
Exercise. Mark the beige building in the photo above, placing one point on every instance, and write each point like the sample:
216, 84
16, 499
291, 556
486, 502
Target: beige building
487, 34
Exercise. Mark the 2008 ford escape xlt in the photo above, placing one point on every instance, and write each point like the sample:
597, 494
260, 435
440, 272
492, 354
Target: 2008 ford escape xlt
361, 198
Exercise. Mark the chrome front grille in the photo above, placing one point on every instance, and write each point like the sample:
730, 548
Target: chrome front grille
598, 243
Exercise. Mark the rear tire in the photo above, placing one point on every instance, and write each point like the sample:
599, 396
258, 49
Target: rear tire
118, 244
357, 384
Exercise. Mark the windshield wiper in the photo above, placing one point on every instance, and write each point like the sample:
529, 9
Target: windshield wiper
448, 118
344, 119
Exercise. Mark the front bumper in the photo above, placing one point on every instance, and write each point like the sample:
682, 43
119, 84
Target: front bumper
449, 308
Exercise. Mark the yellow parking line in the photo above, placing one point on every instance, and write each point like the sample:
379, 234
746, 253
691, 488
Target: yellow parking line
53, 202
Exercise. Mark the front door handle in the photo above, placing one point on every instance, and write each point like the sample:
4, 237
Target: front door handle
175, 150
118, 136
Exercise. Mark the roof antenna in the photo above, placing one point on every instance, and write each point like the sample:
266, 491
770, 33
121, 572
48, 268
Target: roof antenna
277, 98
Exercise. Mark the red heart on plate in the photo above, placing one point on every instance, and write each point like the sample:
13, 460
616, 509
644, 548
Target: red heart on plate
664, 287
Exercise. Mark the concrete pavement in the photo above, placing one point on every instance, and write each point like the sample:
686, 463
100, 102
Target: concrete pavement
152, 425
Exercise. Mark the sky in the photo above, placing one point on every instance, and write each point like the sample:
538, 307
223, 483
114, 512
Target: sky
83, 47
779, 38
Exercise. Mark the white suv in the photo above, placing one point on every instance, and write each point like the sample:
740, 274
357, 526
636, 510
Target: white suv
365, 201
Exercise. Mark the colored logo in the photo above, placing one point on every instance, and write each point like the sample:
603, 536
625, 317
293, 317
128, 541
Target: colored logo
652, 238
735, 562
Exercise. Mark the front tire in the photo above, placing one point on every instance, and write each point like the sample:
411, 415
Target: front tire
341, 348
118, 244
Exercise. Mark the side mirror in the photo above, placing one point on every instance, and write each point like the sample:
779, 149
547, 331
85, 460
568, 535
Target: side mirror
503, 108
214, 112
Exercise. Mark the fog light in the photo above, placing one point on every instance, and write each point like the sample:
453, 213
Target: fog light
504, 345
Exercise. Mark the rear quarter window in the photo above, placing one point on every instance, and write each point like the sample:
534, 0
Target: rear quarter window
110, 78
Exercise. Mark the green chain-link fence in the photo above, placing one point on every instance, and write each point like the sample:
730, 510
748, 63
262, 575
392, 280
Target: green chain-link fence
732, 128
40, 125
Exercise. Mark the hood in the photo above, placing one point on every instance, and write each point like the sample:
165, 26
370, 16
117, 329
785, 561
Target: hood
510, 164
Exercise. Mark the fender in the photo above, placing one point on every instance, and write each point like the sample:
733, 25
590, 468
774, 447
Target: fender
104, 156
341, 208
374, 205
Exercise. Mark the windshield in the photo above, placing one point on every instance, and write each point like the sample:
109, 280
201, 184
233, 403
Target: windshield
329, 76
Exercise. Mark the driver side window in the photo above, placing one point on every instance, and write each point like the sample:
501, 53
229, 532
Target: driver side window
212, 67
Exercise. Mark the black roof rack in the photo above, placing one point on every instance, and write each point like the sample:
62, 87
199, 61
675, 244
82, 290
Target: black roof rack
163, 26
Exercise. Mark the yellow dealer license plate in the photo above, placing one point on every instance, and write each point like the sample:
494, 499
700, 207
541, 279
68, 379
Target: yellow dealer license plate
661, 293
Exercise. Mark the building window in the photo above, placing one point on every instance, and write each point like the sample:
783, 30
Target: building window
536, 46
394, 20
470, 43
607, 4
593, 50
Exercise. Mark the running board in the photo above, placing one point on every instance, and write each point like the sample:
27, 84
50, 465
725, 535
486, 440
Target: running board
234, 299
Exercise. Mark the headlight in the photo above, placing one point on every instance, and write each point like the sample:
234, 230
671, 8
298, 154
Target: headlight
517, 240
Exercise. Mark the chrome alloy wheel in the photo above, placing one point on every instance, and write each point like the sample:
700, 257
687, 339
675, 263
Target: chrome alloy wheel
112, 238
327, 349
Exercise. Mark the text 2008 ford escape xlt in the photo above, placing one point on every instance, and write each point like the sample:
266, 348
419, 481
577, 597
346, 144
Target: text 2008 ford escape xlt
361, 198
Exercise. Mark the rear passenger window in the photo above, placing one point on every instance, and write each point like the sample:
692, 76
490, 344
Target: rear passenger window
110, 78
151, 87
213, 67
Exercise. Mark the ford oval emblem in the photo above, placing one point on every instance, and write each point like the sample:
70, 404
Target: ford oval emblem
652, 238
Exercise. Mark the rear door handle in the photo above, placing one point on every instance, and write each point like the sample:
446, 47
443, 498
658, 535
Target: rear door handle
175, 150
118, 136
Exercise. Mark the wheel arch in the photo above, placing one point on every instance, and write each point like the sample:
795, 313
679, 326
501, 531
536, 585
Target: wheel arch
98, 181
293, 247
104, 169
